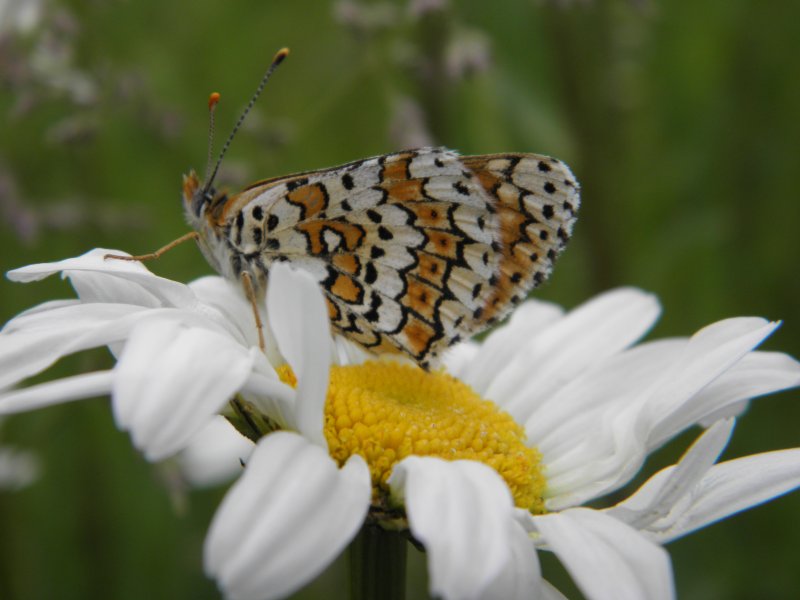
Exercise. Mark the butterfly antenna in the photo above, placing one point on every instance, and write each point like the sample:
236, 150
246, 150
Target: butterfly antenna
213, 100
279, 56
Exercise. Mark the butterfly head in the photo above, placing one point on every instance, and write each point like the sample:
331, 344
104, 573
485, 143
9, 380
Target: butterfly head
199, 201
202, 206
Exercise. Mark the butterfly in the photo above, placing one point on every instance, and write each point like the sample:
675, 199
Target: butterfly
414, 250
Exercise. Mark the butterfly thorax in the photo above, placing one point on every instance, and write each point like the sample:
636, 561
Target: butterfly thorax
207, 212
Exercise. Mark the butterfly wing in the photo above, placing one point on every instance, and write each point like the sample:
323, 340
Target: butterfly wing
415, 250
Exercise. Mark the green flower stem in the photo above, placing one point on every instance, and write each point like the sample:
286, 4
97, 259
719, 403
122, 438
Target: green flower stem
378, 564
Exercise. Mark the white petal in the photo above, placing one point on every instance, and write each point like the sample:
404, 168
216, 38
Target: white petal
529, 320
286, 519
710, 352
67, 389
731, 410
60, 313
459, 360
756, 374
597, 329
33, 343
460, 511
521, 578
299, 319
606, 558
653, 387
39, 308
727, 488
166, 292
615, 384
215, 454
94, 286
590, 433
93, 259
171, 380
273, 398
226, 302
662, 492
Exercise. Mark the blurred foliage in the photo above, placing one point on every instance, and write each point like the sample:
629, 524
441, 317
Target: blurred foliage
679, 118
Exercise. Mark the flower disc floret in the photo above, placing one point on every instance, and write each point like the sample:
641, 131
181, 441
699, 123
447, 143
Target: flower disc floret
386, 411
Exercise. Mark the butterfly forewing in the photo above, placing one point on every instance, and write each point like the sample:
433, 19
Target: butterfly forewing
415, 250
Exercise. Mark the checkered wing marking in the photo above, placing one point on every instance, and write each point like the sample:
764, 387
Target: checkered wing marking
536, 199
414, 250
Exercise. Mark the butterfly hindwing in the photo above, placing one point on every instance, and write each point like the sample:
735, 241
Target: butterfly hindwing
415, 250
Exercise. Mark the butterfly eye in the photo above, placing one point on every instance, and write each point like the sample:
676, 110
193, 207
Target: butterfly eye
201, 199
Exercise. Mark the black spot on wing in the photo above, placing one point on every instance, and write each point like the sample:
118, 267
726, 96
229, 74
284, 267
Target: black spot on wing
296, 183
370, 273
461, 188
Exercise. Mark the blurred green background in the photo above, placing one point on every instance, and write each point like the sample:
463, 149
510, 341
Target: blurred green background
681, 120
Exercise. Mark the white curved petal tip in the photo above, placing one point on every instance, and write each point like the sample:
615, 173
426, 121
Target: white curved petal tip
607, 559
92, 260
215, 454
171, 380
286, 519
299, 319
67, 389
462, 512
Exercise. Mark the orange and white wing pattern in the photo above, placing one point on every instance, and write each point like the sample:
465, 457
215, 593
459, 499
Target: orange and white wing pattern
415, 250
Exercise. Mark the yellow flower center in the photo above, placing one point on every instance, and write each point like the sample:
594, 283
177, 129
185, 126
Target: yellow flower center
385, 411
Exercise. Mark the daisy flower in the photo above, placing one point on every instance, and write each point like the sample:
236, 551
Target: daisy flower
484, 464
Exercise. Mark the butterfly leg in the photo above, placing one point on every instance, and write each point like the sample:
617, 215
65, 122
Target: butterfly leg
192, 235
249, 290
